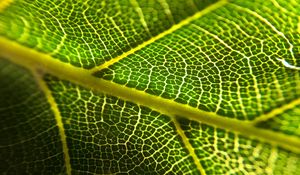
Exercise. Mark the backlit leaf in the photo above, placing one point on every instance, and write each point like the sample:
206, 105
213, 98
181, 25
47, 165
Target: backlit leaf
150, 87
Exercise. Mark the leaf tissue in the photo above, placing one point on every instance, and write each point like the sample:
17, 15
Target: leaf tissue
150, 87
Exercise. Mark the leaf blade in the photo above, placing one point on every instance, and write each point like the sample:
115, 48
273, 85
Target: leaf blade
222, 73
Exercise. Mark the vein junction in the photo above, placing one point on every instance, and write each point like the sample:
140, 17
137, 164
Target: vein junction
58, 119
161, 35
32, 59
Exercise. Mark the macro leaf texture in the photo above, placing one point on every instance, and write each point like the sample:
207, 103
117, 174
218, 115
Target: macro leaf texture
150, 87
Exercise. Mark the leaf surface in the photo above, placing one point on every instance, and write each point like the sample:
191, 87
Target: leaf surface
150, 87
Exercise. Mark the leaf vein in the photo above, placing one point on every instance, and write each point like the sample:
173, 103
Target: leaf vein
155, 38
58, 119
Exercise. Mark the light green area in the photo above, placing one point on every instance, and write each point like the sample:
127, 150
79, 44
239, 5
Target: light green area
29, 138
109, 135
223, 152
225, 62
88, 33
287, 122
223, 66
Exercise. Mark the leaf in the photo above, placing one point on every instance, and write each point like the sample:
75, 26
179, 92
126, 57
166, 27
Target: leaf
150, 87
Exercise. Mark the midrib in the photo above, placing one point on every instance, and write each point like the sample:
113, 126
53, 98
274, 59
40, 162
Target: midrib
30, 58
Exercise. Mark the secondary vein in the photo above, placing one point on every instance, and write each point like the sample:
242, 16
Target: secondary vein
58, 119
31, 58
155, 38
188, 146
276, 111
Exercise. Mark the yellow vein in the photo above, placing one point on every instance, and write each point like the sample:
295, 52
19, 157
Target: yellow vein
155, 38
188, 146
4, 4
277, 111
276, 4
58, 118
30, 58
298, 24
272, 160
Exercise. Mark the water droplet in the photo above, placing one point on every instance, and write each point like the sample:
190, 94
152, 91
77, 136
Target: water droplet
288, 65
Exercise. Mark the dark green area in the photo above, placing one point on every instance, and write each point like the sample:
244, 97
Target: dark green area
29, 138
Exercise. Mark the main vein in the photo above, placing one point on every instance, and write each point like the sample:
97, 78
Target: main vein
31, 58
155, 38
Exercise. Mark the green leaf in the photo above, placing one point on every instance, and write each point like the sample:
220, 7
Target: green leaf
150, 87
